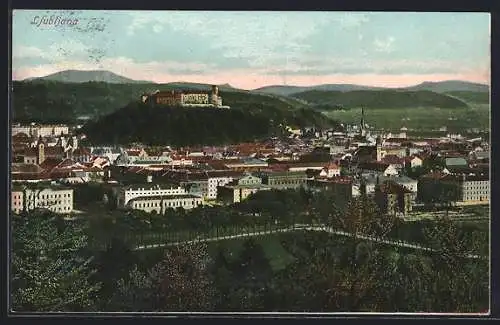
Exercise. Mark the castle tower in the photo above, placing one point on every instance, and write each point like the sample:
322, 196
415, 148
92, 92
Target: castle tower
215, 95
41, 153
215, 90
379, 148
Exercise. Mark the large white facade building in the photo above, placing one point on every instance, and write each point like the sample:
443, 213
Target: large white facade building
134, 192
159, 204
55, 199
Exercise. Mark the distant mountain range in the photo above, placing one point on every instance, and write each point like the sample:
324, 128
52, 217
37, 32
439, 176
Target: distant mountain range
66, 95
290, 90
80, 76
450, 86
438, 87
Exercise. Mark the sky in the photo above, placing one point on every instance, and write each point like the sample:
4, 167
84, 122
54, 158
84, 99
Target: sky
254, 49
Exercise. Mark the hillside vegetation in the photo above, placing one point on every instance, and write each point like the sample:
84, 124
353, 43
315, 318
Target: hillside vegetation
380, 99
158, 125
48, 101
473, 97
52, 101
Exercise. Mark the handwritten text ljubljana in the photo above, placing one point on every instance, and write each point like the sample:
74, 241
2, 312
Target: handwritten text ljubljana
53, 20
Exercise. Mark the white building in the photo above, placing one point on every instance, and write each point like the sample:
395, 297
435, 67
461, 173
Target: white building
215, 180
16, 129
41, 130
160, 203
133, 192
415, 162
206, 184
55, 199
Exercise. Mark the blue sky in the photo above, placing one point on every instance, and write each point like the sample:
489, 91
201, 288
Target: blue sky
253, 49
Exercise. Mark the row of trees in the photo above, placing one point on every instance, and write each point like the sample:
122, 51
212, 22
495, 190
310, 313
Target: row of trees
264, 211
53, 269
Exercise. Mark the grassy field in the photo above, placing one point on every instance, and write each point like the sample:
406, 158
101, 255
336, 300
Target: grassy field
478, 210
425, 119
277, 256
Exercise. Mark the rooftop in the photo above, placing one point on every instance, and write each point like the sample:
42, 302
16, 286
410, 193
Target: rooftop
148, 187
164, 197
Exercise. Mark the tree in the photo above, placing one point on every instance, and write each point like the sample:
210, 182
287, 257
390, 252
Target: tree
460, 284
50, 270
363, 217
180, 282
112, 264
251, 271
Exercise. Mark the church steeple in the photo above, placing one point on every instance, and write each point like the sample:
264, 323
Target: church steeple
379, 148
362, 122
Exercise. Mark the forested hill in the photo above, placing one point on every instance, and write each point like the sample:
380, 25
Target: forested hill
396, 99
52, 101
177, 126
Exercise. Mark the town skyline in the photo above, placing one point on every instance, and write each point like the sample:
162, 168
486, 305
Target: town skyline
281, 48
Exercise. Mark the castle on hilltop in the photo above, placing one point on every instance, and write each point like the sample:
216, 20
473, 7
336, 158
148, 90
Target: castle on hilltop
185, 98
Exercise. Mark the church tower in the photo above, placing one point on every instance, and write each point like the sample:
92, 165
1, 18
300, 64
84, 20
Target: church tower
362, 122
379, 148
41, 153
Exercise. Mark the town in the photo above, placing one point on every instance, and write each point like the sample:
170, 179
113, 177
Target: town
255, 169
405, 175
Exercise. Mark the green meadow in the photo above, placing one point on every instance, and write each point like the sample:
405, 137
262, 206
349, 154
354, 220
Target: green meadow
418, 119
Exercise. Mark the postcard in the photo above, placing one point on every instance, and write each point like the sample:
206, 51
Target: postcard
259, 163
